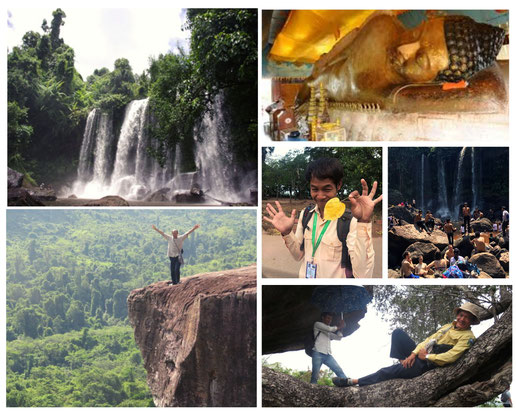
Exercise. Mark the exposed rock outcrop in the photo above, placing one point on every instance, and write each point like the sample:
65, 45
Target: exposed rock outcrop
487, 262
482, 225
288, 315
14, 178
21, 197
198, 338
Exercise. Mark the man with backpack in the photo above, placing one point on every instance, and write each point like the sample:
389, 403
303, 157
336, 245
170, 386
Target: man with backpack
175, 250
323, 333
340, 248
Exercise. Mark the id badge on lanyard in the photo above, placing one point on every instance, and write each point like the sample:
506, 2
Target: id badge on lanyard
311, 266
311, 270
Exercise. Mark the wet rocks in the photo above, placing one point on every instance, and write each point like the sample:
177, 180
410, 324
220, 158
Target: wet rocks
110, 200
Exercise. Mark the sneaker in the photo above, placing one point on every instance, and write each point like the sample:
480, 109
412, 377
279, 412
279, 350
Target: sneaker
342, 382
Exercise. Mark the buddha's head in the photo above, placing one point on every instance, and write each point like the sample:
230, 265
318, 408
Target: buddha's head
446, 49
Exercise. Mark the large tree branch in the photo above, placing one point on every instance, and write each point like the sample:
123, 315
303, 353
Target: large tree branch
482, 371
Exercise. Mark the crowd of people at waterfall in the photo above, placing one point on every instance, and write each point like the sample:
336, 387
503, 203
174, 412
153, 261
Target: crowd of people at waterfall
449, 263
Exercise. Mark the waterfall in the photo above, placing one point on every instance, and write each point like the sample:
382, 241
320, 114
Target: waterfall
111, 166
103, 143
443, 208
84, 171
219, 175
457, 201
473, 179
121, 165
422, 205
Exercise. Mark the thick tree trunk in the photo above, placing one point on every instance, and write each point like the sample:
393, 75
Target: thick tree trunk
482, 373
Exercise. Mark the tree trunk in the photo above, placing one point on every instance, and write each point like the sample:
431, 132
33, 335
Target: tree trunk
481, 374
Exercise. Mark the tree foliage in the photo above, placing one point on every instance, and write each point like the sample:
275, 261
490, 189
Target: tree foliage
421, 310
285, 176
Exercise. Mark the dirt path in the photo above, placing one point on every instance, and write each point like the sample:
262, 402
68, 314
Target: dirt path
278, 263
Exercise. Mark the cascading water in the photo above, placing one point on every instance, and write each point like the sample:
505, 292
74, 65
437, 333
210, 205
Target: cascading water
111, 166
422, 181
457, 201
473, 179
220, 176
84, 170
443, 209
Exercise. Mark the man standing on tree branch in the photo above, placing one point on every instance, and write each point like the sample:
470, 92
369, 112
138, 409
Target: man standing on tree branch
337, 248
440, 349
175, 251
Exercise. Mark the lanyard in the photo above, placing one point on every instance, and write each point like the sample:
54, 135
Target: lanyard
314, 229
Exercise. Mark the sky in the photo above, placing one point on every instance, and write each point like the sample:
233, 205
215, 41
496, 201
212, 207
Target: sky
100, 36
361, 353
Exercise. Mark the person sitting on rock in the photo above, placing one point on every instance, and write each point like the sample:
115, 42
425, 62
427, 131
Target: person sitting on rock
175, 250
407, 268
478, 244
439, 264
449, 252
323, 333
449, 229
440, 349
421, 268
429, 221
457, 258
419, 223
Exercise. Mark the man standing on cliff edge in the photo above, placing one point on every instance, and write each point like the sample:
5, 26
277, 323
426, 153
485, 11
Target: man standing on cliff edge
175, 250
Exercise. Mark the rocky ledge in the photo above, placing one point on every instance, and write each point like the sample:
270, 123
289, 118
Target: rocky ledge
198, 338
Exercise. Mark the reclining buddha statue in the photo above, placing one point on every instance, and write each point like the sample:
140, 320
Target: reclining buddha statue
446, 65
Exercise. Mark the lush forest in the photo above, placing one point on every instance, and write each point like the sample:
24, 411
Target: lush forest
69, 273
49, 101
285, 176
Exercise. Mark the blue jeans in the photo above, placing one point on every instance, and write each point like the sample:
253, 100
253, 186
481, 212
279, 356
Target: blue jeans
319, 359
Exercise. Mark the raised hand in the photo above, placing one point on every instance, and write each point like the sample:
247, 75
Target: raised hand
362, 206
279, 219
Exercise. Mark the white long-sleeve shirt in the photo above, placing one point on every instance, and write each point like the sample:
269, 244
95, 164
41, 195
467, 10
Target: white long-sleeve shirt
325, 334
329, 253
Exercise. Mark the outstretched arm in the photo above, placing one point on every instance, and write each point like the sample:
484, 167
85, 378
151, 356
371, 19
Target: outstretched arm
159, 231
193, 229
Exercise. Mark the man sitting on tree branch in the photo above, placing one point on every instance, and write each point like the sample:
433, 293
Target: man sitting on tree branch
440, 349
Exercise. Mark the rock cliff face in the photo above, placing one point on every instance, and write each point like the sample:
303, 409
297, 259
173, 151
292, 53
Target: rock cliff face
198, 338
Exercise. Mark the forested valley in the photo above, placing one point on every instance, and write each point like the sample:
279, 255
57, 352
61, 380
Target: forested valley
69, 273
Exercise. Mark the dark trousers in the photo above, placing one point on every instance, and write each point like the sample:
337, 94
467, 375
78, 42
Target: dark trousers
467, 225
401, 347
175, 267
450, 237
504, 227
